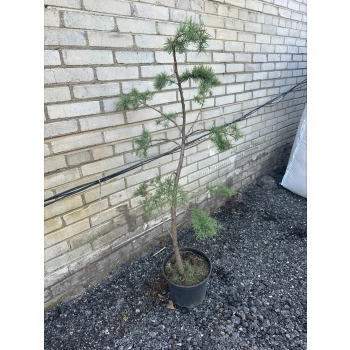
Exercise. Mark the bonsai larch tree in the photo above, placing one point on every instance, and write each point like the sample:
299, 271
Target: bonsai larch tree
158, 192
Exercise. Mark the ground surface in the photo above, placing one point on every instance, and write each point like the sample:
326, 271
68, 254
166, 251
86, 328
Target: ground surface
256, 296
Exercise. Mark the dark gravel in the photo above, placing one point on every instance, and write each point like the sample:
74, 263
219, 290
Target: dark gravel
256, 296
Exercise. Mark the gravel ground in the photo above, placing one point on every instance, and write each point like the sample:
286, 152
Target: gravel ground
256, 296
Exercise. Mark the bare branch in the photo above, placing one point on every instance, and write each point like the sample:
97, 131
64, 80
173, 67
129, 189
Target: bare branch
194, 123
163, 115
195, 132
167, 140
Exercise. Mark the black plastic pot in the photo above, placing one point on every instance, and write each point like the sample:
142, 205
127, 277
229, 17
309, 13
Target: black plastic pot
188, 296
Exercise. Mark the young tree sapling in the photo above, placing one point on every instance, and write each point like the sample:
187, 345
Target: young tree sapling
161, 192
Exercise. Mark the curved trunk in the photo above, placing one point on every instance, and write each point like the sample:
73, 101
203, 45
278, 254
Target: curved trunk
179, 262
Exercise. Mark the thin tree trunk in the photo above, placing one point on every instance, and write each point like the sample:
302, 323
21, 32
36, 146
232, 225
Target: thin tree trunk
179, 262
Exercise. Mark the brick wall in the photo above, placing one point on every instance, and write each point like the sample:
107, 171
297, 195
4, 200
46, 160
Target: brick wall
94, 50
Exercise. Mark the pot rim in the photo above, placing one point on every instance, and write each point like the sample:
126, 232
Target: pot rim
194, 250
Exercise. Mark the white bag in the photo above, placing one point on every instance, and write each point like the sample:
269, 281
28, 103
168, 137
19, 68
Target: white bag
294, 178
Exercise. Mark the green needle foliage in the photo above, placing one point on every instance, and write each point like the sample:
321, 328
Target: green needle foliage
161, 193
133, 100
221, 135
220, 190
162, 80
166, 192
164, 120
205, 77
141, 144
188, 33
204, 226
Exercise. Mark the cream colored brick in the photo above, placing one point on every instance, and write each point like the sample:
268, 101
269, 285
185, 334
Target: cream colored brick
223, 100
216, 45
141, 177
131, 25
158, 162
110, 104
62, 206
121, 196
51, 17
123, 147
102, 152
57, 94
87, 57
103, 216
102, 165
52, 224
51, 58
195, 175
61, 178
167, 28
214, 21
207, 162
110, 39
112, 73
71, 110
211, 177
108, 6
250, 104
46, 150
108, 238
243, 146
67, 75
164, 57
189, 169
163, 98
70, 143
96, 90
55, 250
63, 36
180, 15
223, 57
199, 57
107, 188
254, 5
134, 57
149, 11
152, 71
142, 114
243, 77
64, 3
244, 96
78, 158
87, 21
66, 232
54, 163
226, 34
168, 168
234, 88
85, 212
123, 133
55, 277
273, 10
101, 122
89, 236
150, 41
60, 128
48, 193
67, 258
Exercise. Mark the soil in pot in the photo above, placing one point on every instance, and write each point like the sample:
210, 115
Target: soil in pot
196, 269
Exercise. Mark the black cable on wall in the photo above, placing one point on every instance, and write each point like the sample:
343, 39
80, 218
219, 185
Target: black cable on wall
189, 144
